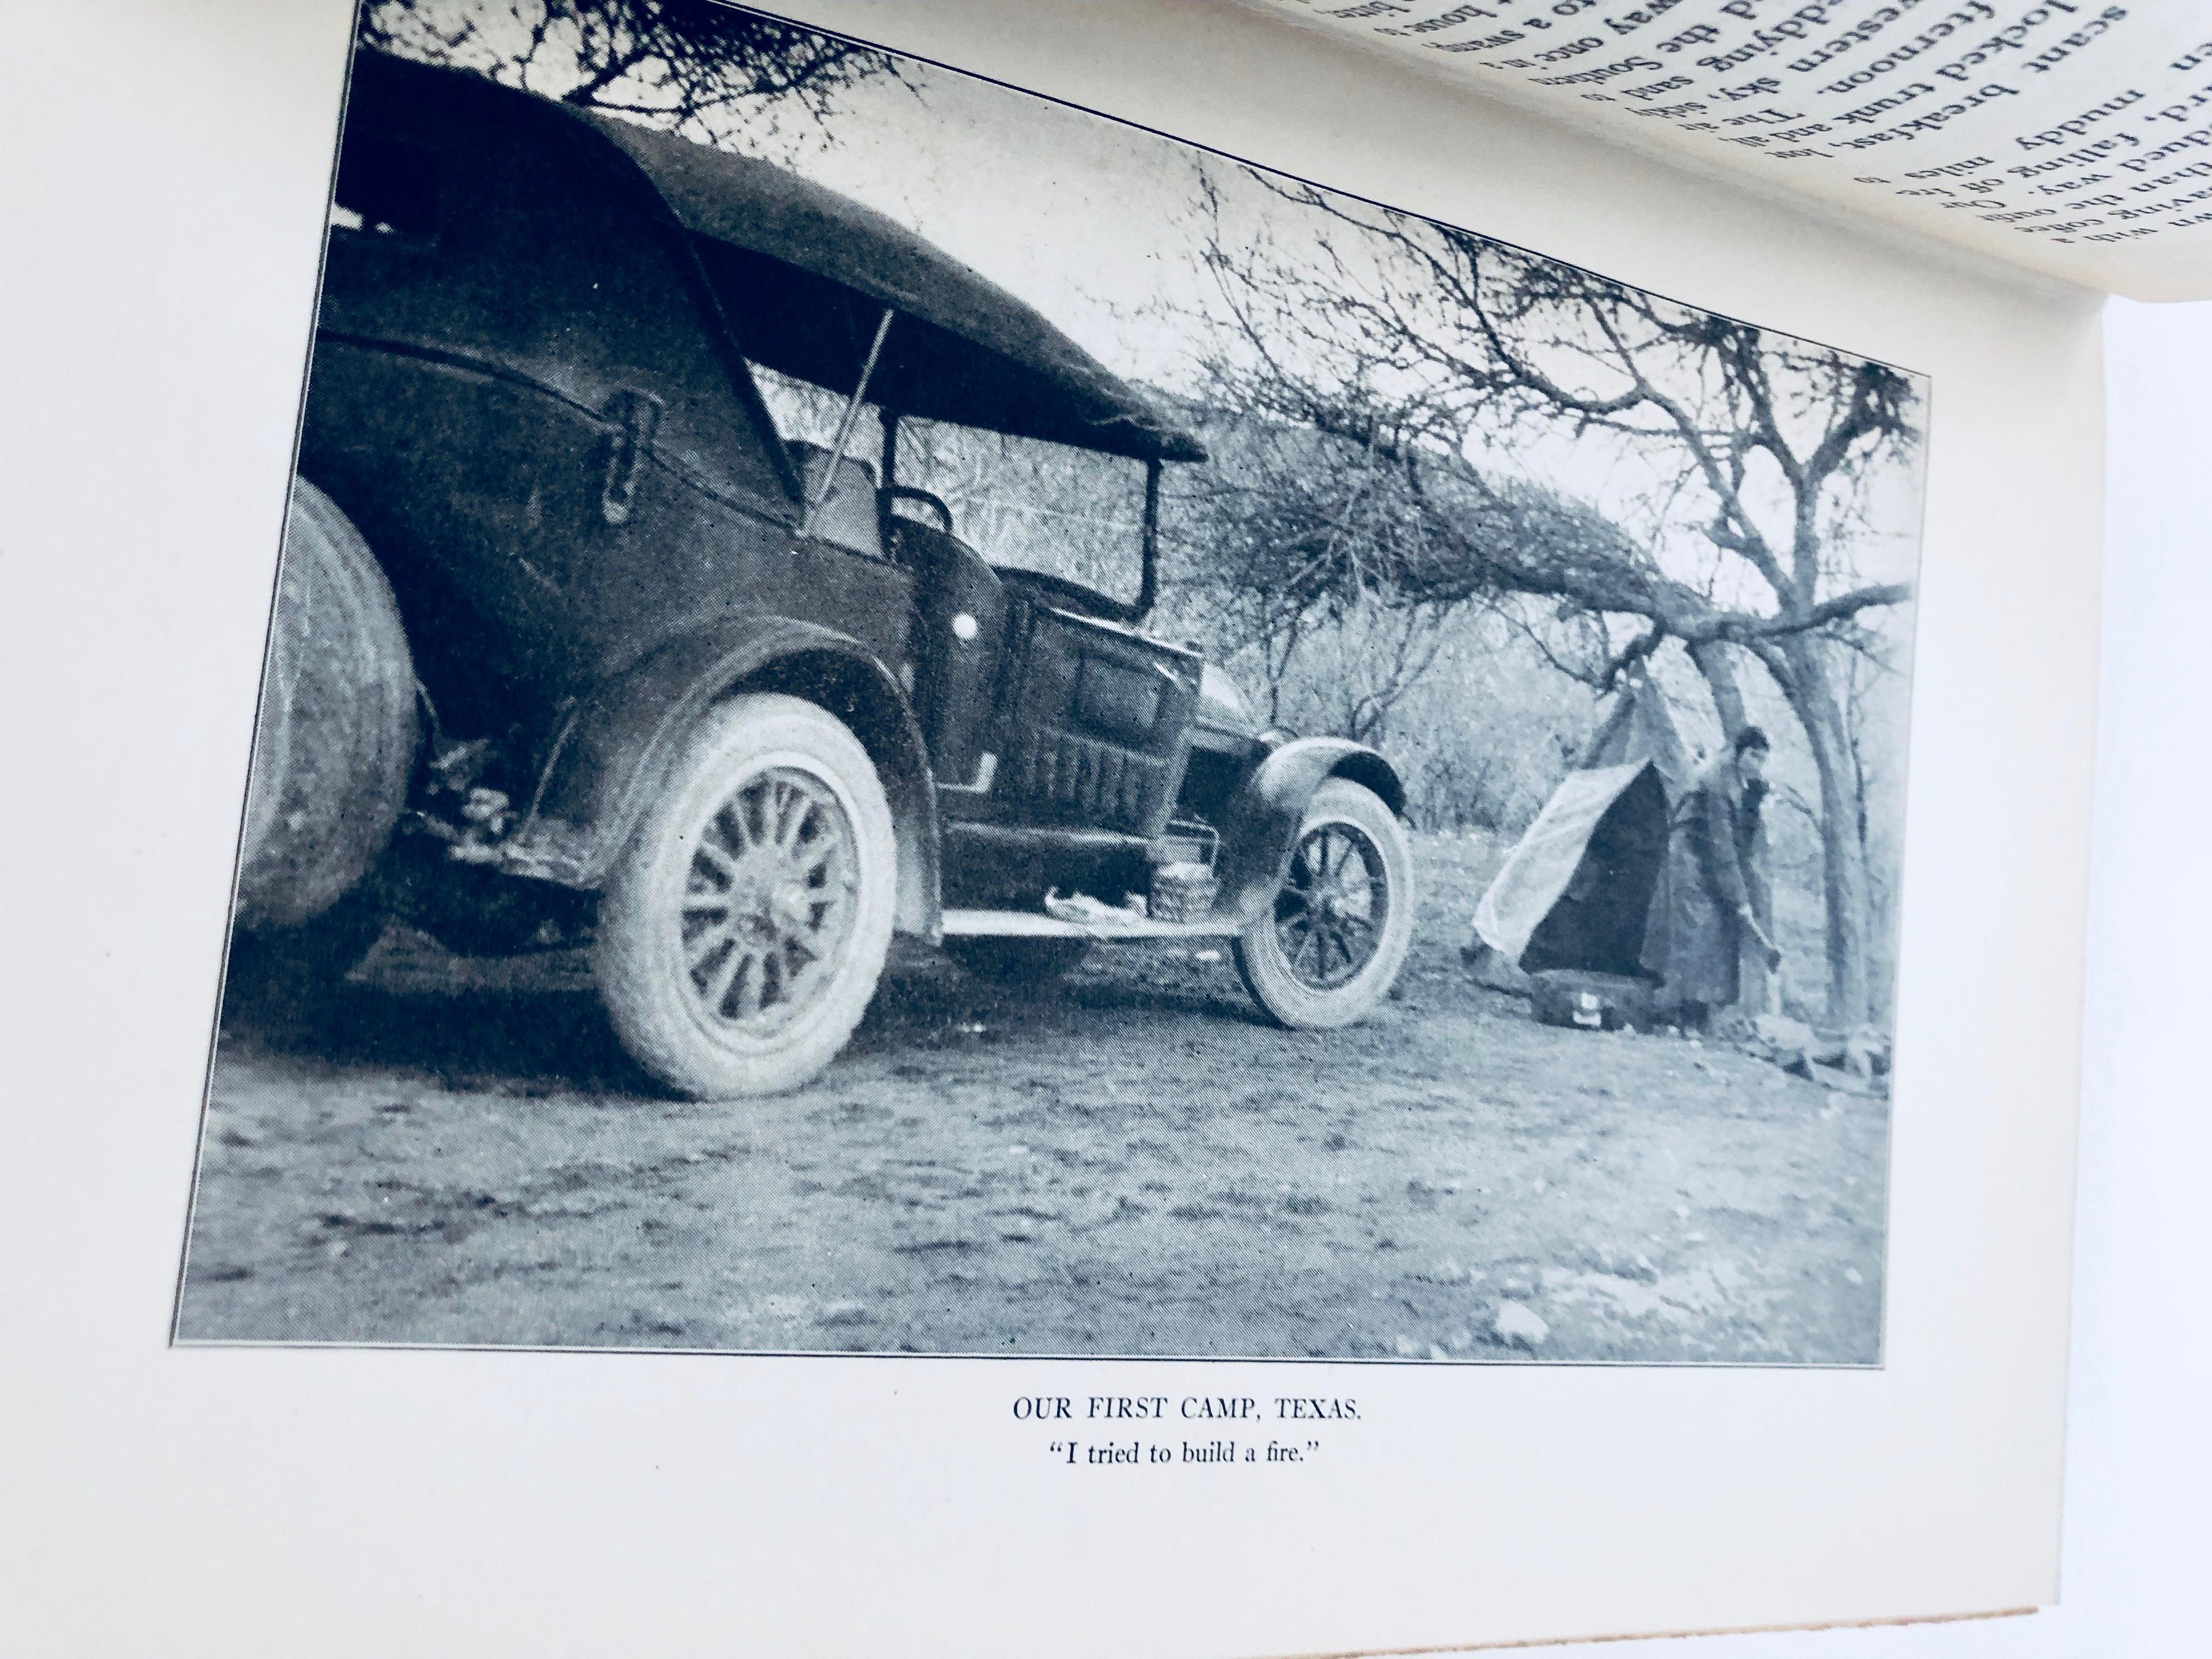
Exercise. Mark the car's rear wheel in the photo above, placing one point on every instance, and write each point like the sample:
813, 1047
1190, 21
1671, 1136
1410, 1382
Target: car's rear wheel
1018, 964
334, 749
336, 741
744, 927
1332, 944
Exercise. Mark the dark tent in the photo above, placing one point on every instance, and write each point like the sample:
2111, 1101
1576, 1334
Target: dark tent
1575, 890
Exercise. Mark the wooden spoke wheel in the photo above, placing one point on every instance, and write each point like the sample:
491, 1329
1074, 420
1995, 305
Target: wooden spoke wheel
1332, 946
745, 928
768, 906
1330, 914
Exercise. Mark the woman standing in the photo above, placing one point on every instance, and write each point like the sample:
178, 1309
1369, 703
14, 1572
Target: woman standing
1702, 907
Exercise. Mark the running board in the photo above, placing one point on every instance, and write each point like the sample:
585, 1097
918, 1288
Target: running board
1029, 924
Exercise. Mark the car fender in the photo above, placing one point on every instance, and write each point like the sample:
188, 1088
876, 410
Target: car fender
616, 744
1264, 814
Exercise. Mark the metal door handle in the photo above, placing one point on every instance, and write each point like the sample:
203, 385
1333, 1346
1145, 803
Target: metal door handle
632, 417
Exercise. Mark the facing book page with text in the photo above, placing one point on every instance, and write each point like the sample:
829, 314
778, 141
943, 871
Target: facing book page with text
2070, 137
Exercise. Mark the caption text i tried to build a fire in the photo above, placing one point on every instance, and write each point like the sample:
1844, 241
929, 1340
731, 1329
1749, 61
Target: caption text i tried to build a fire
1215, 1410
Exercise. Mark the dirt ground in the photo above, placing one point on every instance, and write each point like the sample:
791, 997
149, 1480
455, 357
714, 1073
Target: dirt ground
1134, 1164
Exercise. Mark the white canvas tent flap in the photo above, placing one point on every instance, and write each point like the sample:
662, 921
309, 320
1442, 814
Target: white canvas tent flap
1536, 872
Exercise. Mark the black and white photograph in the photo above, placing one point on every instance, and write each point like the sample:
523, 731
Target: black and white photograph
900, 719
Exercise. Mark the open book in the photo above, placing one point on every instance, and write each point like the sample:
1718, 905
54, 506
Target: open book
2064, 138
1213, 826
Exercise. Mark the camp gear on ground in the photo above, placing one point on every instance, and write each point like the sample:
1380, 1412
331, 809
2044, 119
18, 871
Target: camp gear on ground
1608, 1002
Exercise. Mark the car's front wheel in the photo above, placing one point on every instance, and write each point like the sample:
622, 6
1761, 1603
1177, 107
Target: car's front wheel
1332, 944
744, 929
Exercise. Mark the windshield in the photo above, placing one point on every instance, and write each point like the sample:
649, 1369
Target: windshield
1023, 504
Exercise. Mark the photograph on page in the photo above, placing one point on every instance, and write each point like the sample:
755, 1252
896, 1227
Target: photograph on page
901, 719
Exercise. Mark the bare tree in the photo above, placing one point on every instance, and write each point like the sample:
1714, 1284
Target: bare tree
1418, 340
684, 63
1294, 536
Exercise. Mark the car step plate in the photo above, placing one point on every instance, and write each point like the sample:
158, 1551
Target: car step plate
1028, 924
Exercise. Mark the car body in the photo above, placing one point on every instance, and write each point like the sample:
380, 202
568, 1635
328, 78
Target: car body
534, 436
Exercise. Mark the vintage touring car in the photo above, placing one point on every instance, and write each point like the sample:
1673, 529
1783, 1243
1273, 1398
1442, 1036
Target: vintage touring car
572, 648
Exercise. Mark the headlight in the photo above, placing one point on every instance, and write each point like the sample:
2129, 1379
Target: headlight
1217, 688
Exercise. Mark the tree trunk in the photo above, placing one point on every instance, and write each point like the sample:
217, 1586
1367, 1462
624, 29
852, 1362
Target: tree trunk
1712, 660
1843, 852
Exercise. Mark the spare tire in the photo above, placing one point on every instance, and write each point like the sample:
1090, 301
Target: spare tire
335, 744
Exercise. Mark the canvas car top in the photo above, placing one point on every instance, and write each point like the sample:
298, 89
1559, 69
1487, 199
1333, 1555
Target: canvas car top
804, 275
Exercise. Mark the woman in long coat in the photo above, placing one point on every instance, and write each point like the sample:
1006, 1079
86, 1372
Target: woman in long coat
1703, 905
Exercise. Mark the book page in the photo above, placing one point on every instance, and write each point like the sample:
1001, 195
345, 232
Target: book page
1099, 1300
2070, 137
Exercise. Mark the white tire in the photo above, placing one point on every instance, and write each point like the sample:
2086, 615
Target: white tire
1331, 945
744, 926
